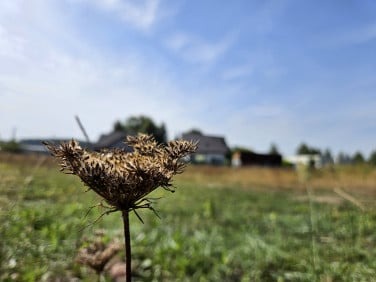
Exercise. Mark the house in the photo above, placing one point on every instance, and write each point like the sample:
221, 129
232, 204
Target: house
114, 139
33, 146
211, 149
36, 145
250, 158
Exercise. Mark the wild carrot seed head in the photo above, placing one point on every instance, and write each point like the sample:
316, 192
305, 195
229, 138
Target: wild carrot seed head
121, 178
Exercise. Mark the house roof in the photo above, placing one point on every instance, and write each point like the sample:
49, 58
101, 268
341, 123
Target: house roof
33, 145
111, 140
207, 144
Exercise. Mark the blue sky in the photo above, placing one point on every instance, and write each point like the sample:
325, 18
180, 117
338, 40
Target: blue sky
256, 72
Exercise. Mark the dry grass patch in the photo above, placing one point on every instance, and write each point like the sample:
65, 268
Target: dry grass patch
349, 177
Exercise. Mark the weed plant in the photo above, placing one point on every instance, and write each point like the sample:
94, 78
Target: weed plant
123, 180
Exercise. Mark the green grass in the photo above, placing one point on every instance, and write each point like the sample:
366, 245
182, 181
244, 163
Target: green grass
226, 233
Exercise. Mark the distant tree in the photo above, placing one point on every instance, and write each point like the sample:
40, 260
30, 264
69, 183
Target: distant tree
304, 149
372, 158
358, 158
10, 146
274, 149
240, 149
327, 157
142, 124
118, 126
343, 158
195, 131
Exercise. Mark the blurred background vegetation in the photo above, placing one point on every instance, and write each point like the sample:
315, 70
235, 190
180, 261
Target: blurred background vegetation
222, 224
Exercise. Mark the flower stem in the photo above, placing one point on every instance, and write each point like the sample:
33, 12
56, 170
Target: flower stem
127, 238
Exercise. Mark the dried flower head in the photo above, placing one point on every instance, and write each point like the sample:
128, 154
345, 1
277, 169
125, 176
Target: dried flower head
95, 253
121, 178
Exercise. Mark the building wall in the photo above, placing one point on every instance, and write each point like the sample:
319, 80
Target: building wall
214, 159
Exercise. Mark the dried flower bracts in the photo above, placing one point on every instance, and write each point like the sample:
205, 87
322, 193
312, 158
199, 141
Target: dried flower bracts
123, 179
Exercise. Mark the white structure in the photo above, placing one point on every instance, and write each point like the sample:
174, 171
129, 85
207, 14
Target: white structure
314, 160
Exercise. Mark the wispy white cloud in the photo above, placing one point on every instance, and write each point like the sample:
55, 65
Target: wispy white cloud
43, 101
178, 41
11, 45
254, 62
52, 69
239, 71
261, 124
197, 50
142, 15
45, 83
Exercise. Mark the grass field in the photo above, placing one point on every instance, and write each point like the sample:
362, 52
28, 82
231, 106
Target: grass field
222, 224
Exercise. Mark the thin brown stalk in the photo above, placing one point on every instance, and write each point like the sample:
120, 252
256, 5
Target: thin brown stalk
127, 240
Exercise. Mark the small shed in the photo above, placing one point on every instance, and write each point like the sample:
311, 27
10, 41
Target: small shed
250, 158
314, 160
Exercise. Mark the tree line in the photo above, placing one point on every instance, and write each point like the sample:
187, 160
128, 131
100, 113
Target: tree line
341, 158
142, 124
